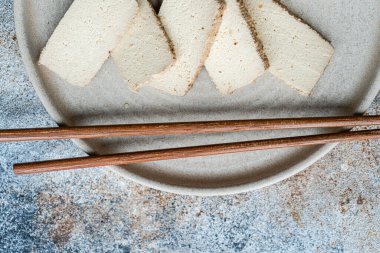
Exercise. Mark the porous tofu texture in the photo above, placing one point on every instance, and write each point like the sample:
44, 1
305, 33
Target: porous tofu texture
236, 58
84, 37
145, 49
297, 54
191, 26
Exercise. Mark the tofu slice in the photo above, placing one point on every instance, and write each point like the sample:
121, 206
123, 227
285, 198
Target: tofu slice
145, 49
83, 39
237, 57
297, 54
191, 26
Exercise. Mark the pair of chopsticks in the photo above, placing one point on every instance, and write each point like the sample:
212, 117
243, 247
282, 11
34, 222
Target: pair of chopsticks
85, 132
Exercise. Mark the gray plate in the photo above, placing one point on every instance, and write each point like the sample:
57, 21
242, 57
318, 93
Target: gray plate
348, 85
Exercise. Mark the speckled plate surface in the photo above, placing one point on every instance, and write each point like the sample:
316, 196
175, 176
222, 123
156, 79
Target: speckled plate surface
348, 85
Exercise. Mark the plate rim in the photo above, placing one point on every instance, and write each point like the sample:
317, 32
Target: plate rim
48, 104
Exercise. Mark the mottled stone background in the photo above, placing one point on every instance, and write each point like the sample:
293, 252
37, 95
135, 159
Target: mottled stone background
334, 206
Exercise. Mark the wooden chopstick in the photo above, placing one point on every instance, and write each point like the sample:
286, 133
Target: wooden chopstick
198, 151
85, 132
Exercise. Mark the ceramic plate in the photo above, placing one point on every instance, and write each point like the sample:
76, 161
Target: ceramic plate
348, 86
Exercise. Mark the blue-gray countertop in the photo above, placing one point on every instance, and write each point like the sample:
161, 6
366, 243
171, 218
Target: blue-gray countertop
334, 206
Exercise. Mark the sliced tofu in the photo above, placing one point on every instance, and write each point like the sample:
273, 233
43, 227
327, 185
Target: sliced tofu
191, 26
145, 49
297, 54
83, 39
236, 58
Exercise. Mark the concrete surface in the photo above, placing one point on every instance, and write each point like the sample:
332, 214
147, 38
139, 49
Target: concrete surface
333, 206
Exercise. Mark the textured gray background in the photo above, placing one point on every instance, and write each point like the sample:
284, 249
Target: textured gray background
334, 206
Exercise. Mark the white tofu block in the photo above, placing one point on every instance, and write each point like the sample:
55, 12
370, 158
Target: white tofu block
145, 49
191, 26
83, 39
297, 54
236, 58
